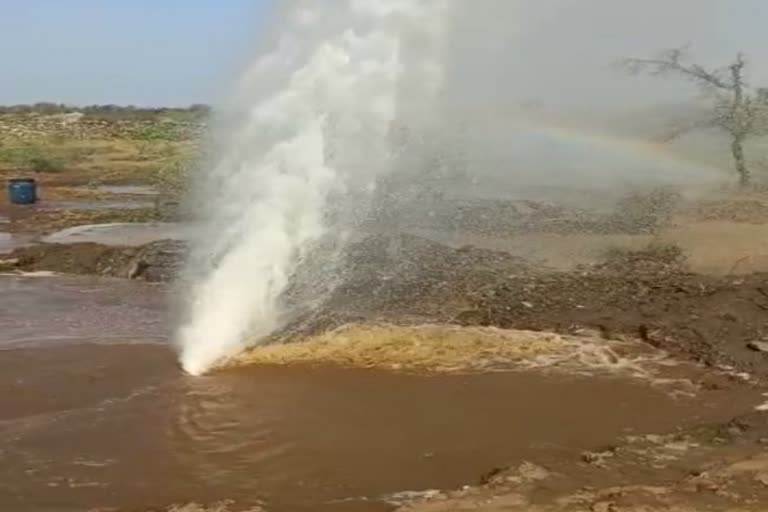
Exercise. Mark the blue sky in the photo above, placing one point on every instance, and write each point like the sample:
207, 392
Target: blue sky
176, 52
143, 52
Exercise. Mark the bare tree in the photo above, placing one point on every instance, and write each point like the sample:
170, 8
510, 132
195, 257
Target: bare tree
737, 109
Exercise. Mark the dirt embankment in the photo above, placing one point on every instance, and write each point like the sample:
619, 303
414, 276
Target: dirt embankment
645, 295
156, 262
717, 321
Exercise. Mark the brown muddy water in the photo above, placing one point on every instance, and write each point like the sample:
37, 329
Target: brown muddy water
95, 414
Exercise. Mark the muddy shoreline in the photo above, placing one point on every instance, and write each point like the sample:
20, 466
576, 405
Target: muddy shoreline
648, 294
720, 466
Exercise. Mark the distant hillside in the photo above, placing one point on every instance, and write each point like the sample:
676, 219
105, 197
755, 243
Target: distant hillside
191, 112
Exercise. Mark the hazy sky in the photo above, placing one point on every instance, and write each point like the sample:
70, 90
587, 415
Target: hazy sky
183, 51
561, 50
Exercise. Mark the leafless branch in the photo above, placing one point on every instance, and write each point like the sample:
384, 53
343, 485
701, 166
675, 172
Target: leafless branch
674, 62
736, 109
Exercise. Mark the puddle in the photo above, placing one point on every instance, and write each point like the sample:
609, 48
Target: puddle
96, 205
96, 414
136, 190
38, 310
9, 242
122, 234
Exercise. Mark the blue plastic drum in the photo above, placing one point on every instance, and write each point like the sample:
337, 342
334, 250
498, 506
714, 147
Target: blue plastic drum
22, 191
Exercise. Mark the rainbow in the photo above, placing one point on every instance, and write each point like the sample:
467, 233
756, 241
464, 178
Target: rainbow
662, 156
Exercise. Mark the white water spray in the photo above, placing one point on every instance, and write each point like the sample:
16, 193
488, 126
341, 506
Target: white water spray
314, 117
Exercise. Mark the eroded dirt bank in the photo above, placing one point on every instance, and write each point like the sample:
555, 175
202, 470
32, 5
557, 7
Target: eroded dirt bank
647, 294
155, 262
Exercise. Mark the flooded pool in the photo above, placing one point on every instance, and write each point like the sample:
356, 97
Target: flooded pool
11, 241
97, 415
46, 311
103, 204
131, 190
131, 234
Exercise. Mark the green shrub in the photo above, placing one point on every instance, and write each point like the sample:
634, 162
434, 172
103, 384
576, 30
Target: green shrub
158, 132
171, 178
45, 164
33, 158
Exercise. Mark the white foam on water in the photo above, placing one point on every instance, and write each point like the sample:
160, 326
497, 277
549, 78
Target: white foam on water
33, 273
764, 406
308, 124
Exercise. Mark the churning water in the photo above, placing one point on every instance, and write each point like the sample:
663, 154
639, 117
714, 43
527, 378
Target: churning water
313, 117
